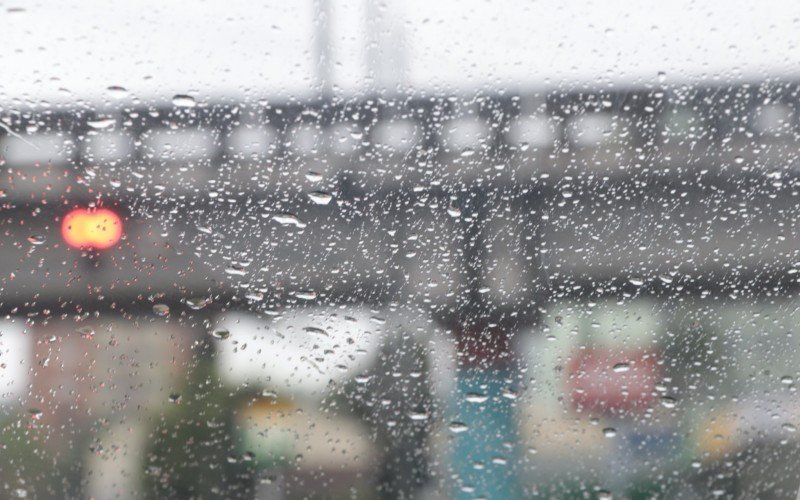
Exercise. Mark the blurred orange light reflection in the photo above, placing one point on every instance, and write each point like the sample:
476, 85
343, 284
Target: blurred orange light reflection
91, 229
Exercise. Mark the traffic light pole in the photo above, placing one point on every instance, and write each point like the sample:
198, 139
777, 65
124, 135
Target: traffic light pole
482, 405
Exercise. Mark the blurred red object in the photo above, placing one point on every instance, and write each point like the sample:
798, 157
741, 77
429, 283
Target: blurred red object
612, 381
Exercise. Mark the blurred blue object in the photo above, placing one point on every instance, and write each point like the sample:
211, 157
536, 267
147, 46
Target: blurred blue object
484, 456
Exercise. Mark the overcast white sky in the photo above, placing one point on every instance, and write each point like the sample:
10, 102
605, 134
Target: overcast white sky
77, 48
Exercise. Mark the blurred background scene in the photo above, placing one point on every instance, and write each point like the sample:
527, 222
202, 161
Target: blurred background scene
383, 249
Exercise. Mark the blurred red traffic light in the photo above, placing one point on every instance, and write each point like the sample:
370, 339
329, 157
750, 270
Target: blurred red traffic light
96, 229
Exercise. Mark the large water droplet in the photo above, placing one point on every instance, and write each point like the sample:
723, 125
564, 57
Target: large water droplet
184, 101
117, 92
316, 331
198, 303
453, 212
221, 334
288, 220
313, 176
622, 367
235, 270
457, 427
320, 197
475, 397
161, 309
668, 402
102, 123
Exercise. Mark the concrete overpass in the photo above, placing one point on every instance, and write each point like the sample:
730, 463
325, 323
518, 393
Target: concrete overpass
487, 203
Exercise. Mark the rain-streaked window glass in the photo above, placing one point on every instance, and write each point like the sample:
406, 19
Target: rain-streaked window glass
399, 249
252, 142
591, 129
397, 136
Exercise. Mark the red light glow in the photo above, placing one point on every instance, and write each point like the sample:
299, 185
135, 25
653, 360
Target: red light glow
91, 229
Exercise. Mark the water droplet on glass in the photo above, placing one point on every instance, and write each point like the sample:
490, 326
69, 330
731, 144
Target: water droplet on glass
117, 92
161, 309
288, 220
184, 101
235, 270
36, 239
668, 402
198, 303
320, 197
316, 331
787, 380
622, 367
453, 212
86, 332
476, 397
457, 427
306, 295
102, 123
313, 176
175, 398
221, 334
609, 432
636, 281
